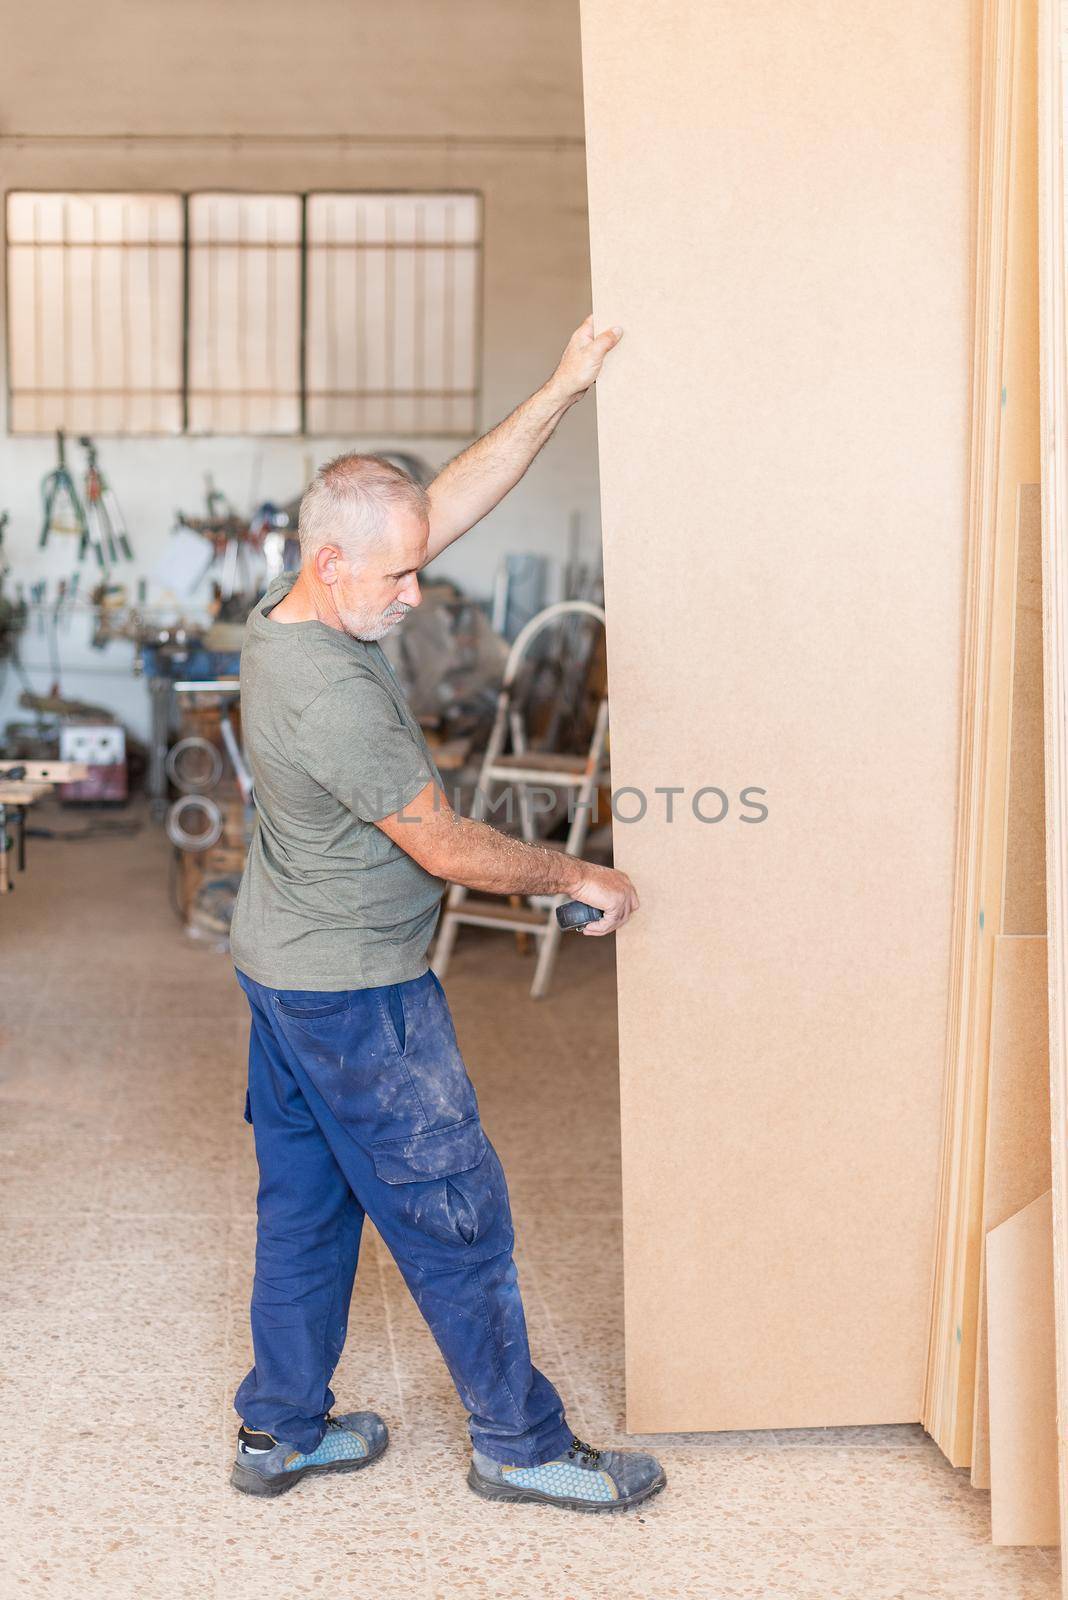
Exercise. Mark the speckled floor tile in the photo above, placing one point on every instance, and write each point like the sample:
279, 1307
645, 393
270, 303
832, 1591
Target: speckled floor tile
123, 1531
159, 1261
127, 1235
185, 1177
141, 1339
58, 1178
41, 1256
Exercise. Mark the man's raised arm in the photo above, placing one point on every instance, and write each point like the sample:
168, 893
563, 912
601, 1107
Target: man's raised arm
480, 476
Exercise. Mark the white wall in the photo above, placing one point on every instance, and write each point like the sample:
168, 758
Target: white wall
470, 94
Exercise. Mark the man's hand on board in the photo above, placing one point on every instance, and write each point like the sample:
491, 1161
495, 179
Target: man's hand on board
582, 360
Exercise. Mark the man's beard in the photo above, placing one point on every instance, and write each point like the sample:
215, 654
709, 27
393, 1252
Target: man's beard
359, 625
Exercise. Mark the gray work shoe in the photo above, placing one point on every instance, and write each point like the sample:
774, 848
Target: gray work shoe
582, 1480
266, 1466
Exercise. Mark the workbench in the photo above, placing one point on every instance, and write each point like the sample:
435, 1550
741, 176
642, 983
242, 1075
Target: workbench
21, 784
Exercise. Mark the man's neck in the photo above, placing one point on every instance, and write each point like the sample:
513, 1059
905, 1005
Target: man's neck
300, 605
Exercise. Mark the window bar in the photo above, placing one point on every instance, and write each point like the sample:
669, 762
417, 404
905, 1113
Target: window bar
419, 314
38, 316
243, 272
185, 314
7, 328
124, 301
153, 321
94, 303
360, 275
272, 302
328, 266
448, 374
64, 233
211, 265
474, 419
390, 318
302, 332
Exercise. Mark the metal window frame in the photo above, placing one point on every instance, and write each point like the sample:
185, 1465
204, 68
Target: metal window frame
304, 195
301, 246
392, 391
6, 313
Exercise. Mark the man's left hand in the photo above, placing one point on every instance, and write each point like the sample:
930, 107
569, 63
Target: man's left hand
582, 360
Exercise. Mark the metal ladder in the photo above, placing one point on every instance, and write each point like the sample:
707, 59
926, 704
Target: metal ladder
523, 768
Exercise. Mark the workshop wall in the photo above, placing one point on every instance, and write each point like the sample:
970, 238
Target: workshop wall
422, 94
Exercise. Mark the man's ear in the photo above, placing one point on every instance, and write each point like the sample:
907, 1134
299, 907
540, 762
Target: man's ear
325, 561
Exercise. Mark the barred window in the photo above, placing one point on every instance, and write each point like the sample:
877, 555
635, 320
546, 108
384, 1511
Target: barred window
392, 325
244, 313
94, 325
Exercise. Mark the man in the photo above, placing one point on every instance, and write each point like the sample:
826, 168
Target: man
358, 1096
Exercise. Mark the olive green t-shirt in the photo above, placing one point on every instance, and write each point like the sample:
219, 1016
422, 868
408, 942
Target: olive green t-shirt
327, 901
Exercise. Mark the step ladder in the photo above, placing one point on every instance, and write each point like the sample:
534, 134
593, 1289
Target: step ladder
521, 768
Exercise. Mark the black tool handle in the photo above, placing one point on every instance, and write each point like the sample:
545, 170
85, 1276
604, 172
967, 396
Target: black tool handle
576, 914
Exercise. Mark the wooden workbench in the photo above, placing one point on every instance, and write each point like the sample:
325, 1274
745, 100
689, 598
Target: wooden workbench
18, 794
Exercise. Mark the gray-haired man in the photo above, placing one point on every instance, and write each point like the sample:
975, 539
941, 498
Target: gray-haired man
358, 1095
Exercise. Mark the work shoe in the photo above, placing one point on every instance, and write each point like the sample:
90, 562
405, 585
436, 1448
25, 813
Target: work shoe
582, 1480
266, 1466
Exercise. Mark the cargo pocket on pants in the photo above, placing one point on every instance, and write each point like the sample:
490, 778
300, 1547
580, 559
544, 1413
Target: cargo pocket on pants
450, 1187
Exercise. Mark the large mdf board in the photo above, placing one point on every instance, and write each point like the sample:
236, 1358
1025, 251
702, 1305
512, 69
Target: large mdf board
780, 213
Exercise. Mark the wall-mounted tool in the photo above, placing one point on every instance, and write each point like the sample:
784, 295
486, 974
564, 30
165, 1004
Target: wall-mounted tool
234, 545
107, 526
63, 510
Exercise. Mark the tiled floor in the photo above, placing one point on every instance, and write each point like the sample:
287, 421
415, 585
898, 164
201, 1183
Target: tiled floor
126, 1228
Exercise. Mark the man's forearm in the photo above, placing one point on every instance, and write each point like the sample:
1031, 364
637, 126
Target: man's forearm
470, 486
477, 856
480, 857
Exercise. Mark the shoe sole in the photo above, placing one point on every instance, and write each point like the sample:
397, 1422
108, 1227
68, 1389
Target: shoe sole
249, 1481
489, 1489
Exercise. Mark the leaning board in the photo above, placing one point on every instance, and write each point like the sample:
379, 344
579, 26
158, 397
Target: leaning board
780, 218
1016, 1166
1023, 1378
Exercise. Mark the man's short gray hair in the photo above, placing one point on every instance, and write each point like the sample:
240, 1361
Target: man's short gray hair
349, 501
